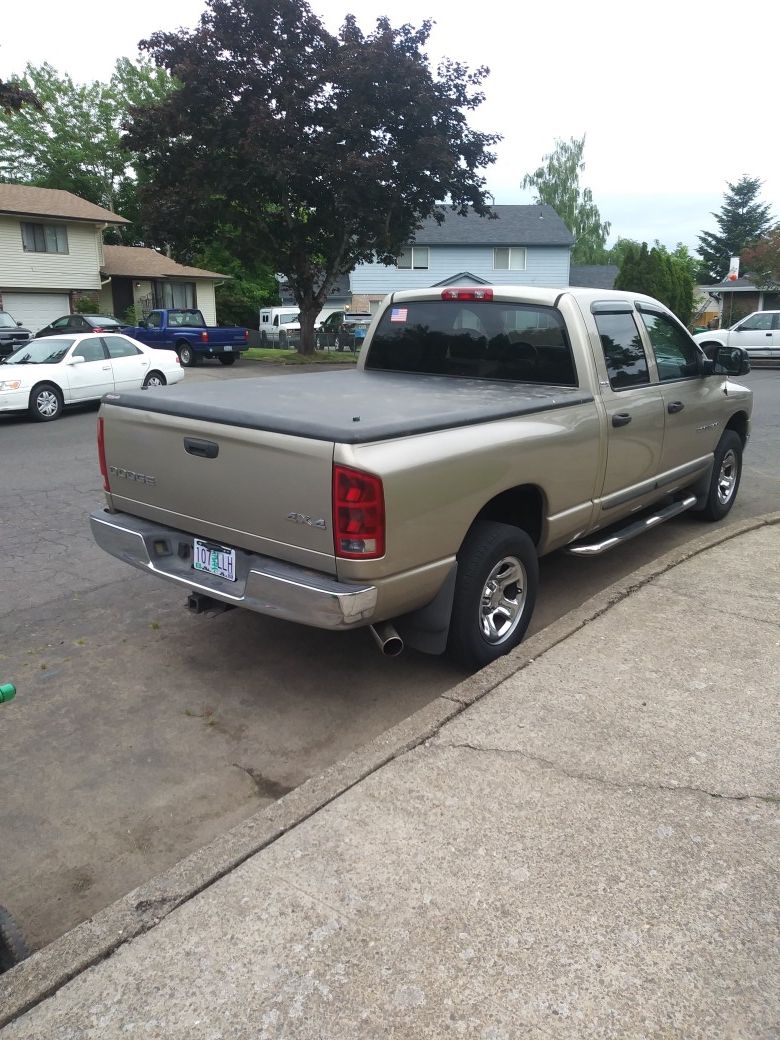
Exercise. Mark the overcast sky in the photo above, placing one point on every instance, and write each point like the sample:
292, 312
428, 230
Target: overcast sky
676, 98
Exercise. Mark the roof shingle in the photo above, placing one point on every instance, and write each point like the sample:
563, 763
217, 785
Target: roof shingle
142, 262
537, 225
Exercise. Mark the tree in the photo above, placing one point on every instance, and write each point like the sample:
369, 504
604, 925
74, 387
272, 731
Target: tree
762, 260
72, 138
557, 183
663, 275
247, 290
742, 221
12, 97
321, 151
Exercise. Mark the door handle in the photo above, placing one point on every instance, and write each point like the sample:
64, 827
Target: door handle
621, 419
203, 449
106, 368
674, 406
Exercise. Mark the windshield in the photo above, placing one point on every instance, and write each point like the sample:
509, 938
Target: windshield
479, 339
41, 352
286, 319
6, 321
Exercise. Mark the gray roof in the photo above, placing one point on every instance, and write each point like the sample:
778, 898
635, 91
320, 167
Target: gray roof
742, 284
594, 276
514, 226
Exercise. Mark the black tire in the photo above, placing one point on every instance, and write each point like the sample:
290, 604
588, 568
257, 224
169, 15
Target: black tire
482, 631
726, 477
227, 359
154, 379
187, 355
45, 403
13, 948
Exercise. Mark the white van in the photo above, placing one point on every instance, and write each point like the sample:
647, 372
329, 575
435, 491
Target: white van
276, 322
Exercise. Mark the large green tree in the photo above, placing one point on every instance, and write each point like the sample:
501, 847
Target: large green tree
72, 139
322, 150
557, 183
666, 276
742, 221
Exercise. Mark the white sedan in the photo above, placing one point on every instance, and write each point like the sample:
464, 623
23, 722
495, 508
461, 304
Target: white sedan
46, 374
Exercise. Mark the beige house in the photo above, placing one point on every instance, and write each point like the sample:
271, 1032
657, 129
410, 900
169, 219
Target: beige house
134, 276
51, 251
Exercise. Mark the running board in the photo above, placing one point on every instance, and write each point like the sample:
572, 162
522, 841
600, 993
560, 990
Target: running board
632, 530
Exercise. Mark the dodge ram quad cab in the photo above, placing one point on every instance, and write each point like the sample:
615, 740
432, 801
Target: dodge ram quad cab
483, 427
184, 330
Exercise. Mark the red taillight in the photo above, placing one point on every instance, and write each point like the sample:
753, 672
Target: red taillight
101, 441
99, 328
204, 336
467, 294
358, 514
246, 333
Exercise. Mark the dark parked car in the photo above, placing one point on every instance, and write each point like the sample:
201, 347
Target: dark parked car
12, 334
79, 323
343, 330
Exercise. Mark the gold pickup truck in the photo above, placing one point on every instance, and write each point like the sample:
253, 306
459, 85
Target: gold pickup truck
484, 426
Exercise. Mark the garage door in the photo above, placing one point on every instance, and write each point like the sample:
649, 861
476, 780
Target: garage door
34, 310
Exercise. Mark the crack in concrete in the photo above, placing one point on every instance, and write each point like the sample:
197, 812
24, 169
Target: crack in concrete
771, 799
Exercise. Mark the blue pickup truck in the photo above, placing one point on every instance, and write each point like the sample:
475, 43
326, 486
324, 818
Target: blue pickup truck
183, 329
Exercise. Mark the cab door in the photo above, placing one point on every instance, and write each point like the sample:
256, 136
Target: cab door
634, 412
693, 403
93, 376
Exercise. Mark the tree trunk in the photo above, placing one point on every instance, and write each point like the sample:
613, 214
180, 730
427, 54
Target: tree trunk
308, 317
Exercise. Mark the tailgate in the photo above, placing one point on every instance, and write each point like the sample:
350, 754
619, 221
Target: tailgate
219, 337
258, 490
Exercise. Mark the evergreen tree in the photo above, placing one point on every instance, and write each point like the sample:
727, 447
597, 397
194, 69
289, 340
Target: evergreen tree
742, 221
658, 273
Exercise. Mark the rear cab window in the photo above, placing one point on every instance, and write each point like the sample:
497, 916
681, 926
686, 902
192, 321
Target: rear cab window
481, 339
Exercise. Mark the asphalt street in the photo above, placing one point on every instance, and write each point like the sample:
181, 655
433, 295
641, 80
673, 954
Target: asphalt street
140, 731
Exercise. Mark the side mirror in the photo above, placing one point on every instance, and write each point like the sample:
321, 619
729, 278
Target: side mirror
726, 361
18, 324
77, 359
143, 323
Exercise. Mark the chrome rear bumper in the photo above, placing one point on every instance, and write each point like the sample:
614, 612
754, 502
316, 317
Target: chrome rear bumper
262, 584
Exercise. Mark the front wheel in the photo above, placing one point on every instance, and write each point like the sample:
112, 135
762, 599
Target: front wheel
187, 355
154, 379
45, 403
227, 359
726, 475
495, 593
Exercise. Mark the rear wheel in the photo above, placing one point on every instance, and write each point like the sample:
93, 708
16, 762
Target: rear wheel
13, 948
154, 379
726, 475
187, 355
227, 359
495, 593
45, 403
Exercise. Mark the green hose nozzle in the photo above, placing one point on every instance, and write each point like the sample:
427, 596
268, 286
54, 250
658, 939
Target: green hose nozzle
7, 692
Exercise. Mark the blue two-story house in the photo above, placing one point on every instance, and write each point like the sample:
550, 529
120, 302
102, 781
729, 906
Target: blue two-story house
522, 245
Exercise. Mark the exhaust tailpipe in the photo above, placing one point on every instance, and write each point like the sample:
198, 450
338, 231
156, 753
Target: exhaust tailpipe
387, 639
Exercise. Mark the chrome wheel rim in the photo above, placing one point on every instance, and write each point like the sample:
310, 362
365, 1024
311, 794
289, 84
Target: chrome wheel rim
47, 404
727, 477
154, 381
503, 599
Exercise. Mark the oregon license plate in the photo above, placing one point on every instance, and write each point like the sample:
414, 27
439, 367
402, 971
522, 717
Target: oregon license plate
214, 559
229, 349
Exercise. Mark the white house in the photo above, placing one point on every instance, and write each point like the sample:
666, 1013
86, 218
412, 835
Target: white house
51, 250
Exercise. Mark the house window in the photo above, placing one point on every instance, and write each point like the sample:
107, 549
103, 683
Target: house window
413, 258
44, 238
176, 294
506, 258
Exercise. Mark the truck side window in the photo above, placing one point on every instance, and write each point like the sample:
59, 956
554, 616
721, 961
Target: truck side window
676, 355
623, 350
154, 321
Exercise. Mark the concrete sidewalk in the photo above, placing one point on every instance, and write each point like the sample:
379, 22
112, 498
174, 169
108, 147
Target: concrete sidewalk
581, 841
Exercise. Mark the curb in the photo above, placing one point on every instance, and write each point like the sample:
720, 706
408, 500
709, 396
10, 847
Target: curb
43, 974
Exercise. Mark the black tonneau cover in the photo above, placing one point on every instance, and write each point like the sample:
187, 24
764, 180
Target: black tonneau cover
350, 407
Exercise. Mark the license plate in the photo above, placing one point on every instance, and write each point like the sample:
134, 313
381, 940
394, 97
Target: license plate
214, 559
227, 349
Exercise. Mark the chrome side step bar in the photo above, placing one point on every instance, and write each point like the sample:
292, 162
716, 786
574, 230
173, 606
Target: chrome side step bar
631, 530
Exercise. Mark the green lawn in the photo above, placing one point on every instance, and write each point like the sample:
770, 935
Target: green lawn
292, 357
